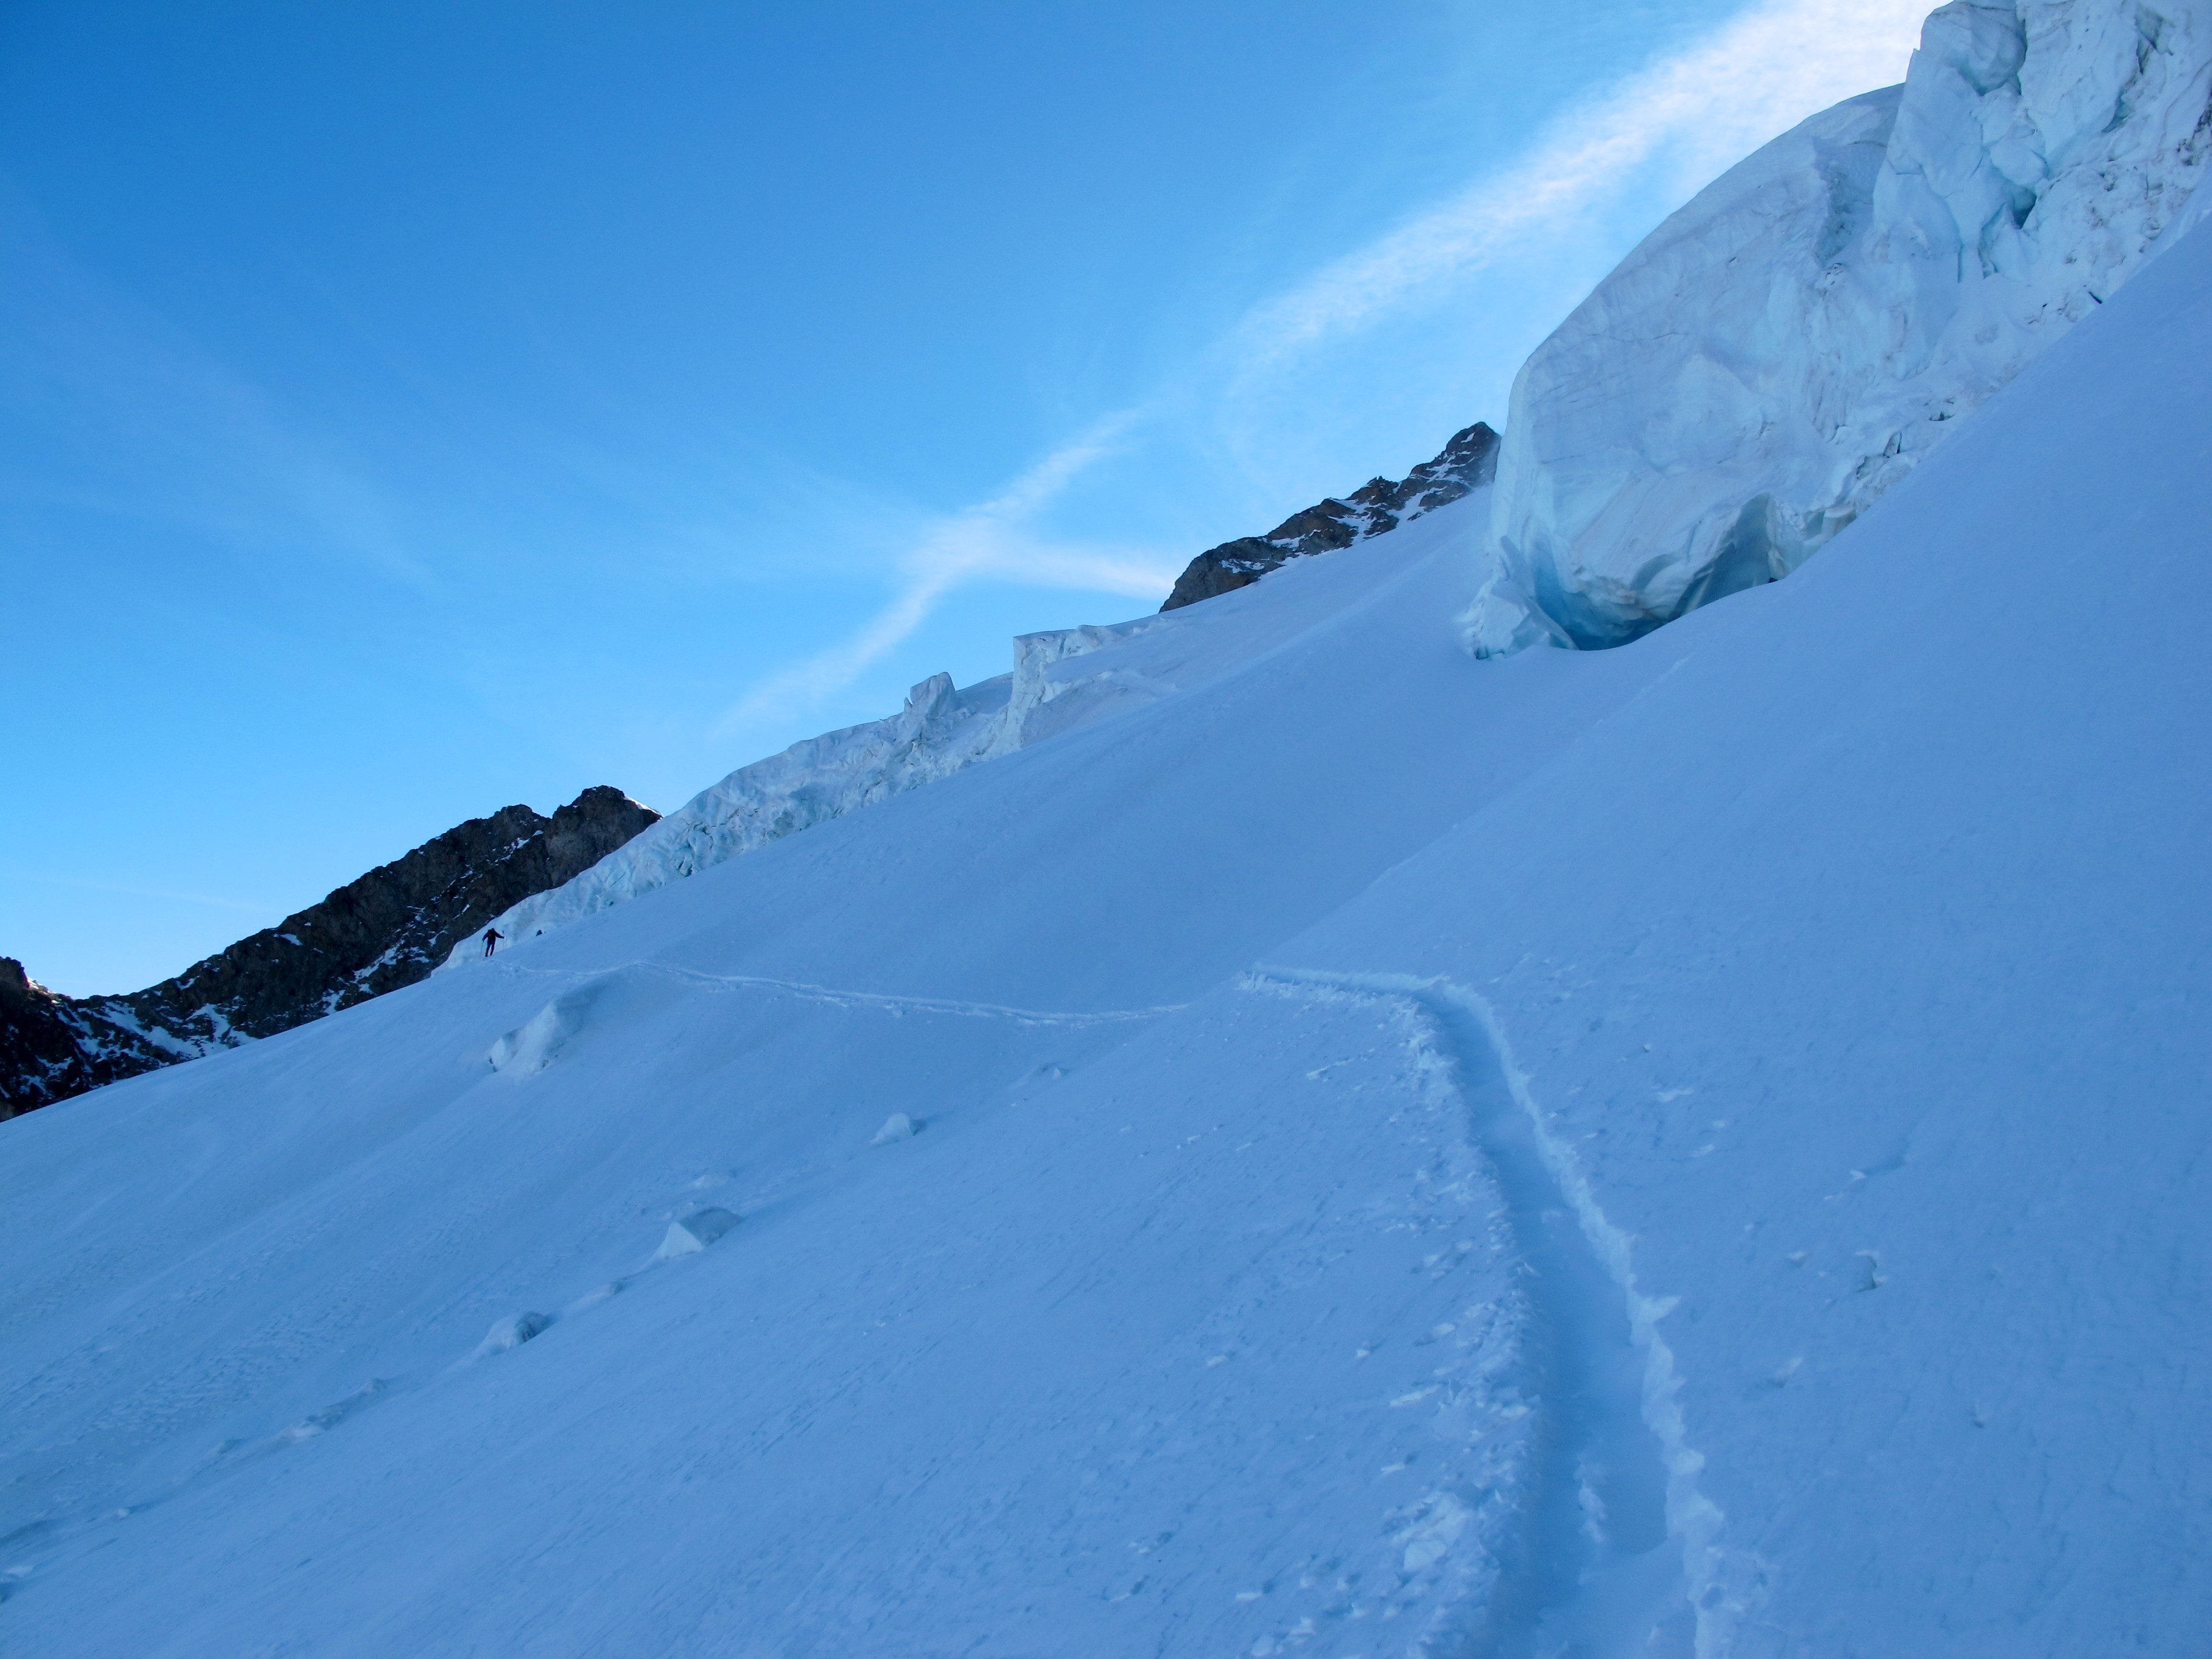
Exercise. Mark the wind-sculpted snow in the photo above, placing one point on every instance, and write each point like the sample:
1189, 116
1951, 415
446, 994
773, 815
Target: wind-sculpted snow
1788, 346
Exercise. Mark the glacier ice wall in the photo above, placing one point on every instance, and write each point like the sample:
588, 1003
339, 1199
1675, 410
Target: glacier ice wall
1800, 335
1055, 686
939, 730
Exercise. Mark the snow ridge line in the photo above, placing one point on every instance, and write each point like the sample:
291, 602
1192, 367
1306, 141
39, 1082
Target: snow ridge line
842, 999
1605, 1591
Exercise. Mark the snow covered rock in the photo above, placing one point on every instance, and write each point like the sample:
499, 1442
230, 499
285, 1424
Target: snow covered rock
1466, 464
1786, 347
52, 1046
897, 1126
382, 930
695, 1232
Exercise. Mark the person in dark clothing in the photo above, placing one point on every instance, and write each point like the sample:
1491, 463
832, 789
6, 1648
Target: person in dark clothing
492, 937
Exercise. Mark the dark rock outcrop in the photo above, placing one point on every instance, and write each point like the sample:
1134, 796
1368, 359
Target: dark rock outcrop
51, 1047
387, 929
1468, 462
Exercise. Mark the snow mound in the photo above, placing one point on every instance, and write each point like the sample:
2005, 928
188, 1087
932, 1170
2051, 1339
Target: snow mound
1802, 335
533, 1046
897, 1126
511, 1333
695, 1232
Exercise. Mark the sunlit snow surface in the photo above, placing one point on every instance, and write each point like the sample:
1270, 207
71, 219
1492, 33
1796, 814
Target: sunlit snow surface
1698, 1148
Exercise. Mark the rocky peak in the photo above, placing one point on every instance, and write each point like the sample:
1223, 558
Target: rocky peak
384, 930
1466, 463
51, 1049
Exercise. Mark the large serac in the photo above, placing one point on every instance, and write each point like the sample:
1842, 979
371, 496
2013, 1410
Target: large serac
1781, 351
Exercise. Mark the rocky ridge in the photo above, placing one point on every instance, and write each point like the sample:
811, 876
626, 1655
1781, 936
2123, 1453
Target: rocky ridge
386, 929
1467, 463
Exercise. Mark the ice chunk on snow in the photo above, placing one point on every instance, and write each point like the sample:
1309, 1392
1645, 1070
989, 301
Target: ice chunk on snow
531, 1047
1799, 336
695, 1232
512, 1332
1046, 698
1438, 1521
897, 1126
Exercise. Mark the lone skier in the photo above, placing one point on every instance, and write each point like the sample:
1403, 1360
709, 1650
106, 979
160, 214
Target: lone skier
492, 937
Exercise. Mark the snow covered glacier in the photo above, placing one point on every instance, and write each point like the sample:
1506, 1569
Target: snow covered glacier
1789, 344
1754, 376
1691, 1150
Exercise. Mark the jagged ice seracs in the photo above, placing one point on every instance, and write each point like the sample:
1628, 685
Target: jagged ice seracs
1812, 325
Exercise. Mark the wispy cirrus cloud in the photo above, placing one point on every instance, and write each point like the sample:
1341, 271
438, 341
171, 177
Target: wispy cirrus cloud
184, 435
988, 540
1665, 131
1699, 110
139, 890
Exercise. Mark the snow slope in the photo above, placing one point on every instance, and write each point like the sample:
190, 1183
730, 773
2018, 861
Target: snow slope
1057, 685
1750, 380
1802, 335
1698, 1148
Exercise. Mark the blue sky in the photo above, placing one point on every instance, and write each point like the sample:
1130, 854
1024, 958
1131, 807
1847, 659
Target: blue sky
407, 409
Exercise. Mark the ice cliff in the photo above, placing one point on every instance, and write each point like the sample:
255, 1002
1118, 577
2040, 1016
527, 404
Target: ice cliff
940, 730
1786, 347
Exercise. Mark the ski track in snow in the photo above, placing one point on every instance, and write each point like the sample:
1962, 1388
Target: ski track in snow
836, 998
1621, 1552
